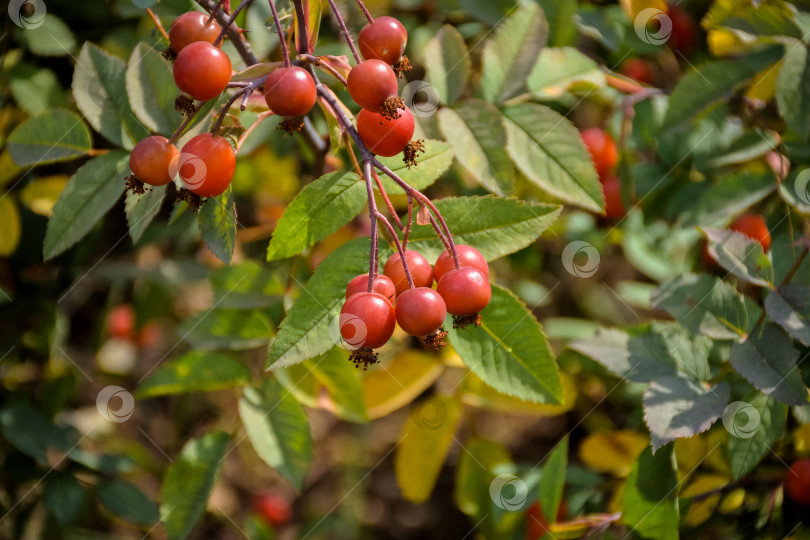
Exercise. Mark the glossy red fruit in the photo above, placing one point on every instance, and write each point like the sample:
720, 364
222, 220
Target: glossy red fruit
467, 256
639, 70
190, 27
797, 481
202, 71
290, 91
367, 320
272, 508
753, 226
684, 35
149, 161
420, 311
385, 137
384, 39
370, 83
206, 165
382, 285
465, 290
421, 272
602, 148
614, 206
121, 321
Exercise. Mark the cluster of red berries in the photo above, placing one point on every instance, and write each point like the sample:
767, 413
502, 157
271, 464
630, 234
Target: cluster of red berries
367, 319
605, 156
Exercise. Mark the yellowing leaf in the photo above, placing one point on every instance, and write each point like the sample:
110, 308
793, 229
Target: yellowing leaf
801, 439
616, 501
40, 195
764, 84
423, 446
702, 509
732, 501
407, 376
9, 224
724, 43
631, 8
8, 169
612, 452
716, 455
689, 452
477, 393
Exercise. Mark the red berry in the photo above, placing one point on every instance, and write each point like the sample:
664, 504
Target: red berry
121, 321
206, 165
370, 83
384, 39
150, 160
467, 256
382, 285
202, 71
367, 320
272, 508
797, 482
536, 523
190, 27
684, 30
614, 206
753, 226
385, 137
290, 91
420, 311
421, 272
465, 290
639, 70
602, 149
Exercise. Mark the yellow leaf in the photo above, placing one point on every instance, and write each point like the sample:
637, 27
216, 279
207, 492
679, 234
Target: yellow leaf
9, 225
477, 393
732, 500
801, 439
612, 452
40, 195
8, 169
702, 509
764, 84
423, 446
632, 8
716, 455
689, 452
616, 502
409, 374
724, 43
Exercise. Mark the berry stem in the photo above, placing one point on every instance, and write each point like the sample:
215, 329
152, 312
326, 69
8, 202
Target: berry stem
281, 38
326, 67
386, 199
239, 42
226, 28
365, 11
158, 25
303, 30
409, 223
216, 8
184, 124
244, 91
345, 30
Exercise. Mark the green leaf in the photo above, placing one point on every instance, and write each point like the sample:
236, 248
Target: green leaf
189, 481
35, 89
99, 88
767, 359
511, 52
217, 222
197, 371
552, 482
556, 70
227, 329
793, 91
750, 145
127, 502
754, 426
448, 64
548, 149
89, 194
50, 38
474, 474
795, 190
142, 209
727, 197
675, 407
33, 434
560, 14
765, 20
310, 327
320, 209
151, 89
433, 163
705, 305
278, 428
607, 24
493, 225
424, 443
789, 307
509, 351
56, 135
63, 496
475, 130
246, 285
650, 505
741, 255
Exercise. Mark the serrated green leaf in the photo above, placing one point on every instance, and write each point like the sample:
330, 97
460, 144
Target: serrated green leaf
246, 285
433, 163
142, 209
548, 149
227, 329
750, 145
197, 371
320, 209
557, 69
493, 225
448, 64
741, 255
552, 482
727, 197
278, 428
754, 426
52, 37
217, 222
63, 496
151, 89
650, 506
511, 52
789, 307
55, 135
89, 194
127, 502
792, 90
189, 481
99, 88
509, 351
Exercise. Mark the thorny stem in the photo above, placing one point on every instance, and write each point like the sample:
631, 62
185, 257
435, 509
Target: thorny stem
184, 124
326, 67
157, 23
227, 27
365, 11
281, 38
345, 30
239, 42
216, 8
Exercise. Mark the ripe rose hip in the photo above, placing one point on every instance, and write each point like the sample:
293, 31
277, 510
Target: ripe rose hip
370, 83
121, 321
753, 226
614, 206
467, 256
290, 91
382, 285
385, 137
638, 69
420, 311
602, 149
421, 272
190, 27
202, 71
206, 165
465, 290
367, 320
797, 481
384, 39
272, 508
150, 160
